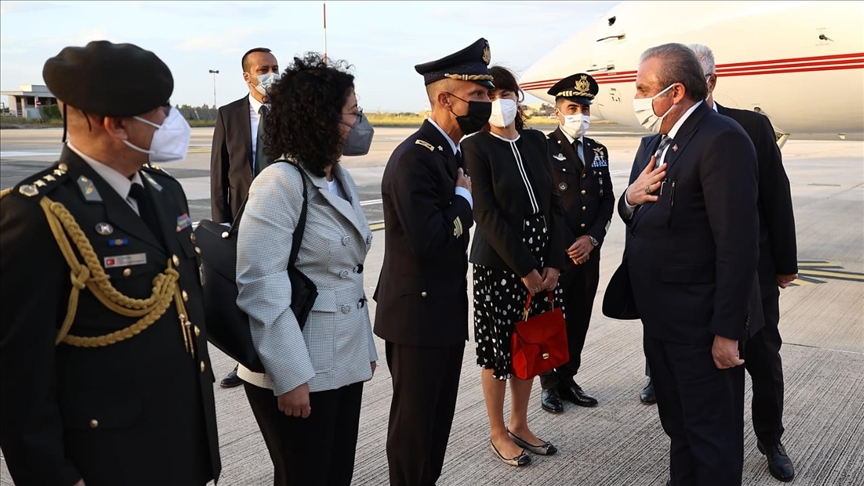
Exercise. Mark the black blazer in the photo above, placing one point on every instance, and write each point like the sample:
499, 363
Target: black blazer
692, 255
586, 192
231, 160
501, 202
777, 243
135, 412
422, 292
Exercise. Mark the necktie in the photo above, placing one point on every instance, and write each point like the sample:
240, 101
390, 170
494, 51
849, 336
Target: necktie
460, 161
260, 157
145, 209
664, 142
576, 146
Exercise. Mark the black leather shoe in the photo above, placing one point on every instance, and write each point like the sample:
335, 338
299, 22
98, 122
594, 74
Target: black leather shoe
779, 464
647, 395
231, 379
551, 401
574, 393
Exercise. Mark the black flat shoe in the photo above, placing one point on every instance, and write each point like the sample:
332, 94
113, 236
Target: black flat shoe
574, 393
544, 449
521, 460
779, 464
551, 401
647, 395
231, 379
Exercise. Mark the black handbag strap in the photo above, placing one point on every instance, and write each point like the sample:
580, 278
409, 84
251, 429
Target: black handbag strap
297, 239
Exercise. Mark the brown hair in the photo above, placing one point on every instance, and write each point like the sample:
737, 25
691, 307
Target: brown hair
504, 79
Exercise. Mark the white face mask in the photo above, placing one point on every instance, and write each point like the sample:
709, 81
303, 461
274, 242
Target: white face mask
265, 81
170, 140
644, 110
503, 113
576, 125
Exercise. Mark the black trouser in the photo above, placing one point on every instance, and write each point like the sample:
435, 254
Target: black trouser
702, 411
425, 385
762, 360
579, 284
318, 450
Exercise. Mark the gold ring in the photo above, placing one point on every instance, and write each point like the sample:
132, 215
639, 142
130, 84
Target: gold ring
648, 189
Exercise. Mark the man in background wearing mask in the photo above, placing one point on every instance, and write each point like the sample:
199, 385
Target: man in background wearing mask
107, 379
422, 292
581, 167
237, 155
691, 256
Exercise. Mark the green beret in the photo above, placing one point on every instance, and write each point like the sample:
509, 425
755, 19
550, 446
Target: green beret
109, 79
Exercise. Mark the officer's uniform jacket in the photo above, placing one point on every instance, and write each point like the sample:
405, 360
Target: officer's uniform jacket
586, 189
138, 411
422, 292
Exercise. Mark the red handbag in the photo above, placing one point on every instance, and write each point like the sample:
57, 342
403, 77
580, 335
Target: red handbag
540, 343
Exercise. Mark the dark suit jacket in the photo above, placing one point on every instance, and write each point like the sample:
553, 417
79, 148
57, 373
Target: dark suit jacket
586, 192
139, 411
501, 202
422, 292
231, 160
692, 255
777, 243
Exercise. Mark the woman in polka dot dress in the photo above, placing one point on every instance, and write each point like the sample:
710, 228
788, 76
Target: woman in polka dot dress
518, 248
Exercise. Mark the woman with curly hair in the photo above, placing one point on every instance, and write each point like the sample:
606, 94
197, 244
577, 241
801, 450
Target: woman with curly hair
307, 403
518, 249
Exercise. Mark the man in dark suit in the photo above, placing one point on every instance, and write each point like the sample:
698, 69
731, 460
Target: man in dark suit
581, 167
237, 155
107, 379
422, 293
778, 267
691, 254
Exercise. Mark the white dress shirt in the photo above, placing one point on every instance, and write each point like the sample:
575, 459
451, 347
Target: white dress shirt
460, 191
628, 213
116, 180
581, 150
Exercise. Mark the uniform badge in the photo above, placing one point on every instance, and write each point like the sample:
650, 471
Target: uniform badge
125, 260
675, 148
560, 157
88, 190
457, 227
183, 222
562, 186
152, 181
424, 143
118, 242
104, 229
28, 190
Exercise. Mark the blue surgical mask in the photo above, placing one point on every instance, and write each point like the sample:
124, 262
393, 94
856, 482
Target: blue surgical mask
265, 81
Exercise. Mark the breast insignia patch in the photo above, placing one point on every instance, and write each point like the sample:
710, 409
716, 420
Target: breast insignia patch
424, 143
88, 190
457, 227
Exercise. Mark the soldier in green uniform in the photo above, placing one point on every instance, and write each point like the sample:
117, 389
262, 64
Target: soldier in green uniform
106, 378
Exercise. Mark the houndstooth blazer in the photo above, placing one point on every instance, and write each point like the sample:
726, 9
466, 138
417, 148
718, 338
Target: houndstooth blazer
335, 347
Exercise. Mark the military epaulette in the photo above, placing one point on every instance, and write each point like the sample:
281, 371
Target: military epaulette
43, 182
155, 168
424, 143
594, 142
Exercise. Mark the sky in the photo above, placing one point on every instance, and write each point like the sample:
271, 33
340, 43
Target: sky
382, 40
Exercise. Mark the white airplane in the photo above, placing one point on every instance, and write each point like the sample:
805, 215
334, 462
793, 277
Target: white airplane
799, 63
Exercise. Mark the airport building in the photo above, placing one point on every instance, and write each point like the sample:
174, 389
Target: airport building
28, 101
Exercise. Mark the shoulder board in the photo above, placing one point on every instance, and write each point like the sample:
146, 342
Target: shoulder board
597, 145
424, 143
155, 169
43, 181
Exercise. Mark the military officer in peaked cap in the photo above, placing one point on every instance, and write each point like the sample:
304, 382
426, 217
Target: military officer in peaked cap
106, 377
422, 292
581, 168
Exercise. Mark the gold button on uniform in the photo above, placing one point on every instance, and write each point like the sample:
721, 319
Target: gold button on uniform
197, 250
94, 423
176, 260
584, 175
423, 294
584, 208
192, 238
582, 225
203, 367
185, 296
197, 331
584, 192
127, 272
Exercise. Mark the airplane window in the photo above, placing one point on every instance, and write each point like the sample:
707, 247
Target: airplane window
611, 21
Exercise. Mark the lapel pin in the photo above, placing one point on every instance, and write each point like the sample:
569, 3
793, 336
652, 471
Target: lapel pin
104, 229
675, 148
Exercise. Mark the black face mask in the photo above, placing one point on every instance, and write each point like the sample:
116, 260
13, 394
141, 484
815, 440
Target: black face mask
477, 117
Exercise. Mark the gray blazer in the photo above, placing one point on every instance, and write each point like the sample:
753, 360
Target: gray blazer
335, 347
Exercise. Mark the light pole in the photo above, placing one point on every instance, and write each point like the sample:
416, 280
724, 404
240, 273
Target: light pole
214, 72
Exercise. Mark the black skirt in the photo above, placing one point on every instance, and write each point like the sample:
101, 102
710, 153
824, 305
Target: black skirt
499, 299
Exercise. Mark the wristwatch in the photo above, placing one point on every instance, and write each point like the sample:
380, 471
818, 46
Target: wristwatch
594, 241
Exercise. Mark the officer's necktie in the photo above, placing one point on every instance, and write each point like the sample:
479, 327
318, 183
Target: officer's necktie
658, 154
260, 157
145, 209
460, 160
576, 146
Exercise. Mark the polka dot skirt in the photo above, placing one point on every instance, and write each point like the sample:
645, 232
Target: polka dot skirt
499, 298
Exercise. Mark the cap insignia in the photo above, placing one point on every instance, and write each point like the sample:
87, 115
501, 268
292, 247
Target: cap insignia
582, 87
